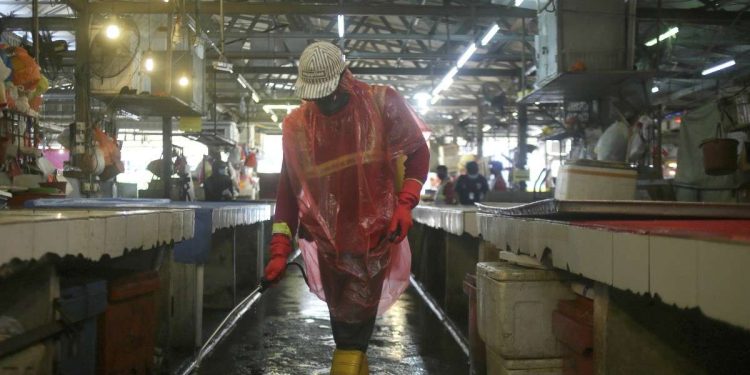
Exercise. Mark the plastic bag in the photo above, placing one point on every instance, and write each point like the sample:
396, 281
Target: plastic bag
342, 170
613, 144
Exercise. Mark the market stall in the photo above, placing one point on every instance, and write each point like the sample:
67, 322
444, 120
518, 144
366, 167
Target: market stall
227, 252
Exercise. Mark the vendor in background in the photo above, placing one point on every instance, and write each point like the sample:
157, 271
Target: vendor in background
445, 191
496, 180
219, 186
472, 186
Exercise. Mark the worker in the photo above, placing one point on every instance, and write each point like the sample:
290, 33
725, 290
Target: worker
472, 186
496, 180
219, 186
445, 190
340, 187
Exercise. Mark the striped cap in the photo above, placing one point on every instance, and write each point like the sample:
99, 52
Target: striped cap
320, 68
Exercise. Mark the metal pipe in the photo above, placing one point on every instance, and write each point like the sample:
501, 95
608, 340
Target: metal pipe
228, 323
440, 314
221, 28
35, 29
225, 327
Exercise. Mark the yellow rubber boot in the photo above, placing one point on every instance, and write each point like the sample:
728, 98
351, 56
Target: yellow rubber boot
349, 362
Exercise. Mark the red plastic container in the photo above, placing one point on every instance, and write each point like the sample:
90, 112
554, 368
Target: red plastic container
478, 355
573, 326
128, 326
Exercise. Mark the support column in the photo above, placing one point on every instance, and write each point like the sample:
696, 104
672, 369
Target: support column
523, 127
481, 114
82, 77
166, 173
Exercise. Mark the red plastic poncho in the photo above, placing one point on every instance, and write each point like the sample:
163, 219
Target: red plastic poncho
342, 171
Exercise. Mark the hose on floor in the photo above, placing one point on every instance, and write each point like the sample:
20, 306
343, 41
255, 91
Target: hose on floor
231, 320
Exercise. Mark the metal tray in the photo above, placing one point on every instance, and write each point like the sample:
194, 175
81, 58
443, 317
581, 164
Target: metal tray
583, 210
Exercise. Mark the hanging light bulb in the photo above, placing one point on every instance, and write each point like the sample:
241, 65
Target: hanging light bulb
148, 62
112, 31
183, 81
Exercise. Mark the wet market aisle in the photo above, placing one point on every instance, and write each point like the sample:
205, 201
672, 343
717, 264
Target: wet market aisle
288, 332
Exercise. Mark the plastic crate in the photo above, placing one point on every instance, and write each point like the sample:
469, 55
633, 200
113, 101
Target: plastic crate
573, 326
80, 304
128, 326
515, 309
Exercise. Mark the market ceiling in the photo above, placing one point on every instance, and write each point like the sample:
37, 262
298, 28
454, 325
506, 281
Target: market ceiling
413, 44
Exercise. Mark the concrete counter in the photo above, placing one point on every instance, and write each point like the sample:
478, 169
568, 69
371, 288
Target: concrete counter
30, 234
689, 264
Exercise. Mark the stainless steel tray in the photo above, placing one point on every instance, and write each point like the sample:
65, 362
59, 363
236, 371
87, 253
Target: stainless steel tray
557, 209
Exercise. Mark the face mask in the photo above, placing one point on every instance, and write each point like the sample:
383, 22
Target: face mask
332, 103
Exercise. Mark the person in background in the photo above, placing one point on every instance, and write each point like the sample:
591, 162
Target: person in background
496, 181
472, 186
341, 186
445, 191
219, 186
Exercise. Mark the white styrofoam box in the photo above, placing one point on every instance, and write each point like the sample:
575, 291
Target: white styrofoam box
515, 309
497, 365
585, 182
27, 361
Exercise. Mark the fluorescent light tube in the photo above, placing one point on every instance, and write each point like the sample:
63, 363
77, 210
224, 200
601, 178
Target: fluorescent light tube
255, 97
718, 67
655, 89
487, 37
668, 34
341, 25
467, 55
242, 82
451, 73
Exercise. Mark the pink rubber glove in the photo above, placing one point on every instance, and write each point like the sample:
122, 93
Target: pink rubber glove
280, 248
401, 222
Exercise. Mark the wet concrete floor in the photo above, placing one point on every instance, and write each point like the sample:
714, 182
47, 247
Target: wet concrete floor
288, 332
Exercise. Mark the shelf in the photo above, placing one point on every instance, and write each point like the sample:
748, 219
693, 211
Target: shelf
148, 105
209, 139
583, 86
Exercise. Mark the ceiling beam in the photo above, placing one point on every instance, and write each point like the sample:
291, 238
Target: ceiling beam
386, 71
48, 23
371, 36
367, 55
696, 16
360, 9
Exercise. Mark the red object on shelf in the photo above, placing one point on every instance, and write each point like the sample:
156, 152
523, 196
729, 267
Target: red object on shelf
128, 326
729, 229
573, 326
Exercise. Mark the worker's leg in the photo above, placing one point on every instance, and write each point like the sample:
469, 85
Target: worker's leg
352, 294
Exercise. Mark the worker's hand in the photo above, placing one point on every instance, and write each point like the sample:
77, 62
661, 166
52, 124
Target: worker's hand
280, 248
401, 221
